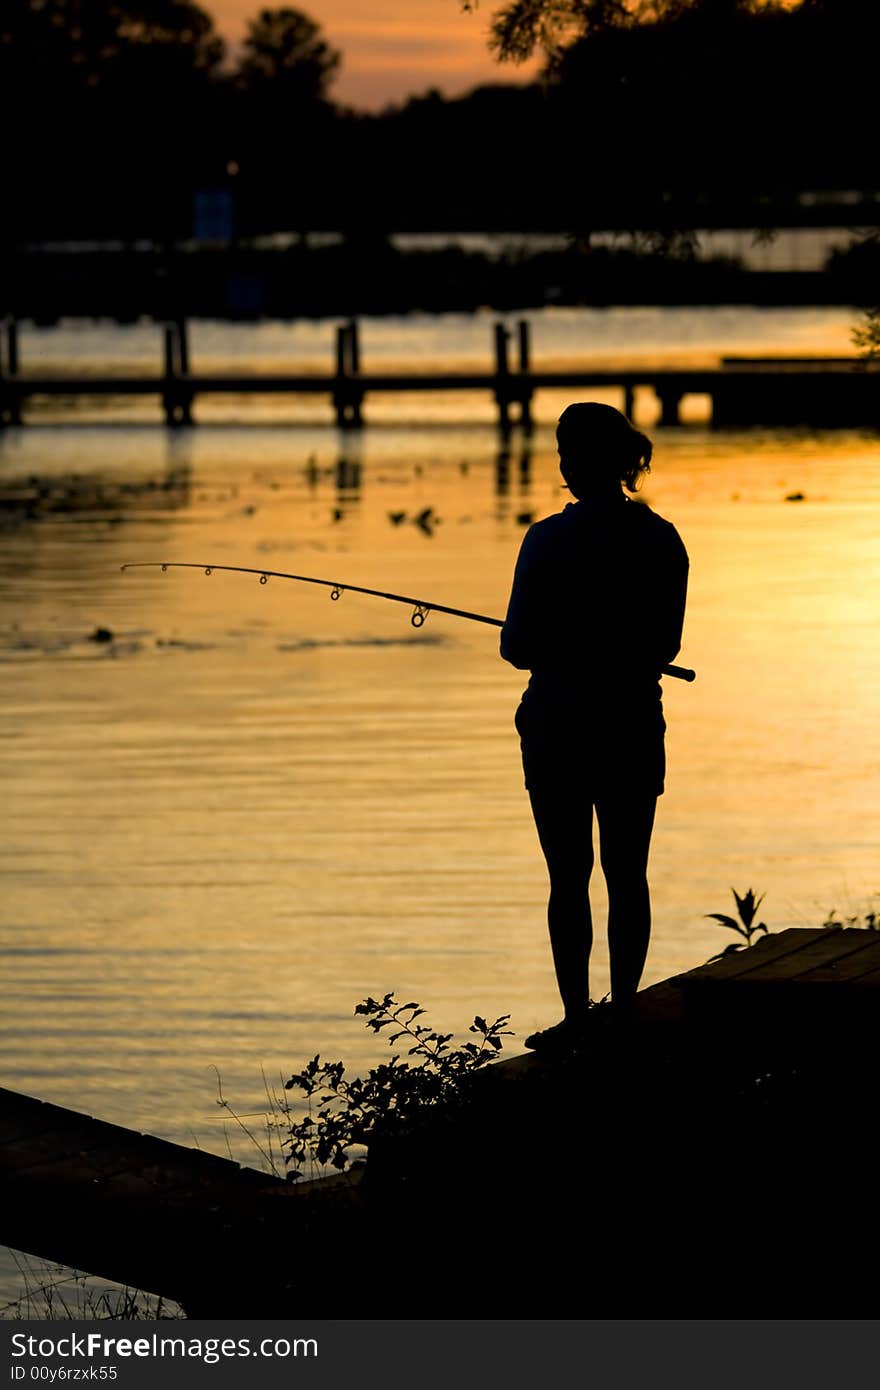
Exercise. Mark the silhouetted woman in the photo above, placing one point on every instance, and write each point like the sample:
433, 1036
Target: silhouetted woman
596, 610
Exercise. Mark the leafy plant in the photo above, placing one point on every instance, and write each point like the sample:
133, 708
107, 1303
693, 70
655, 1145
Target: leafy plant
866, 335
345, 1113
746, 927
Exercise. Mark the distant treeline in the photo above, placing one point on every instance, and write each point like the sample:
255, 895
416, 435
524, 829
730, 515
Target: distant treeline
371, 276
718, 112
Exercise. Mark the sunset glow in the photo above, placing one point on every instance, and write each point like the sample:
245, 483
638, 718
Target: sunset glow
392, 49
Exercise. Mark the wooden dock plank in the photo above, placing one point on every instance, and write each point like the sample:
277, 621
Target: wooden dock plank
688, 381
870, 981
821, 953
823, 986
31, 1150
61, 1159
326, 384
766, 948
38, 1131
800, 364
19, 1123
127, 1206
858, 964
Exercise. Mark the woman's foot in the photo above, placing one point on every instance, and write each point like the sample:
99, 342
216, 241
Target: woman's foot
562, 1037
571, 1033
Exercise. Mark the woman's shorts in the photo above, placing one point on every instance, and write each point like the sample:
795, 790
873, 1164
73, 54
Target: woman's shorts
597, 752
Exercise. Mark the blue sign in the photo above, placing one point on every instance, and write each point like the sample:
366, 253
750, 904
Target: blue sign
213, 214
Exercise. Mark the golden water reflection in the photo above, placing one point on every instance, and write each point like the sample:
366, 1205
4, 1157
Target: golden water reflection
254, 807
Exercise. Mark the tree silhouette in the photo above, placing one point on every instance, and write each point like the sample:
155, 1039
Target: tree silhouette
727, 108
285, 53
284, 137
520, 28
109, 102
86, 45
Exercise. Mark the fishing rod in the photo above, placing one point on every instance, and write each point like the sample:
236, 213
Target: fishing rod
421, 607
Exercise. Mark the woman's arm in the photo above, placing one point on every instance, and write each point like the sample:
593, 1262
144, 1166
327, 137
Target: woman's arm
673, 599
519, 635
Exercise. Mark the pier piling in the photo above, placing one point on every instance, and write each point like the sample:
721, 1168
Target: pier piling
670, 403
177, 394
347, 393
182, 346
502, 375
12, 346
502, 469
10, 398
525, 367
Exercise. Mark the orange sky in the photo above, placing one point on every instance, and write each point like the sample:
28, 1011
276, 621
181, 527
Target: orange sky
391, 48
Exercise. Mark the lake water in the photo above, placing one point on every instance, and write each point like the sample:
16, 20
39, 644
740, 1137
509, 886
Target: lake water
253, 807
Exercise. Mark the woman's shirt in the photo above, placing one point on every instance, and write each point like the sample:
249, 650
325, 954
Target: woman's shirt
597, 604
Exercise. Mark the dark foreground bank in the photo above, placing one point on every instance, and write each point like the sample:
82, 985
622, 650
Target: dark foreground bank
698, 1164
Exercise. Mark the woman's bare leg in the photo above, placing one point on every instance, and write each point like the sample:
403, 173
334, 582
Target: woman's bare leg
625, 826
565, 830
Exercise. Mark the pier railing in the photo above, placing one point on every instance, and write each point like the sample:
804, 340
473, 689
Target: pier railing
742, 391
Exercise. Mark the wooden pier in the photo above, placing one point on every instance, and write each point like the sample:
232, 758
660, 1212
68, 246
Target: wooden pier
151, 1214
825, 392
712, 1160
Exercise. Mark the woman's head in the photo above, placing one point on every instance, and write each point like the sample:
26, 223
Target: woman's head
598, 447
